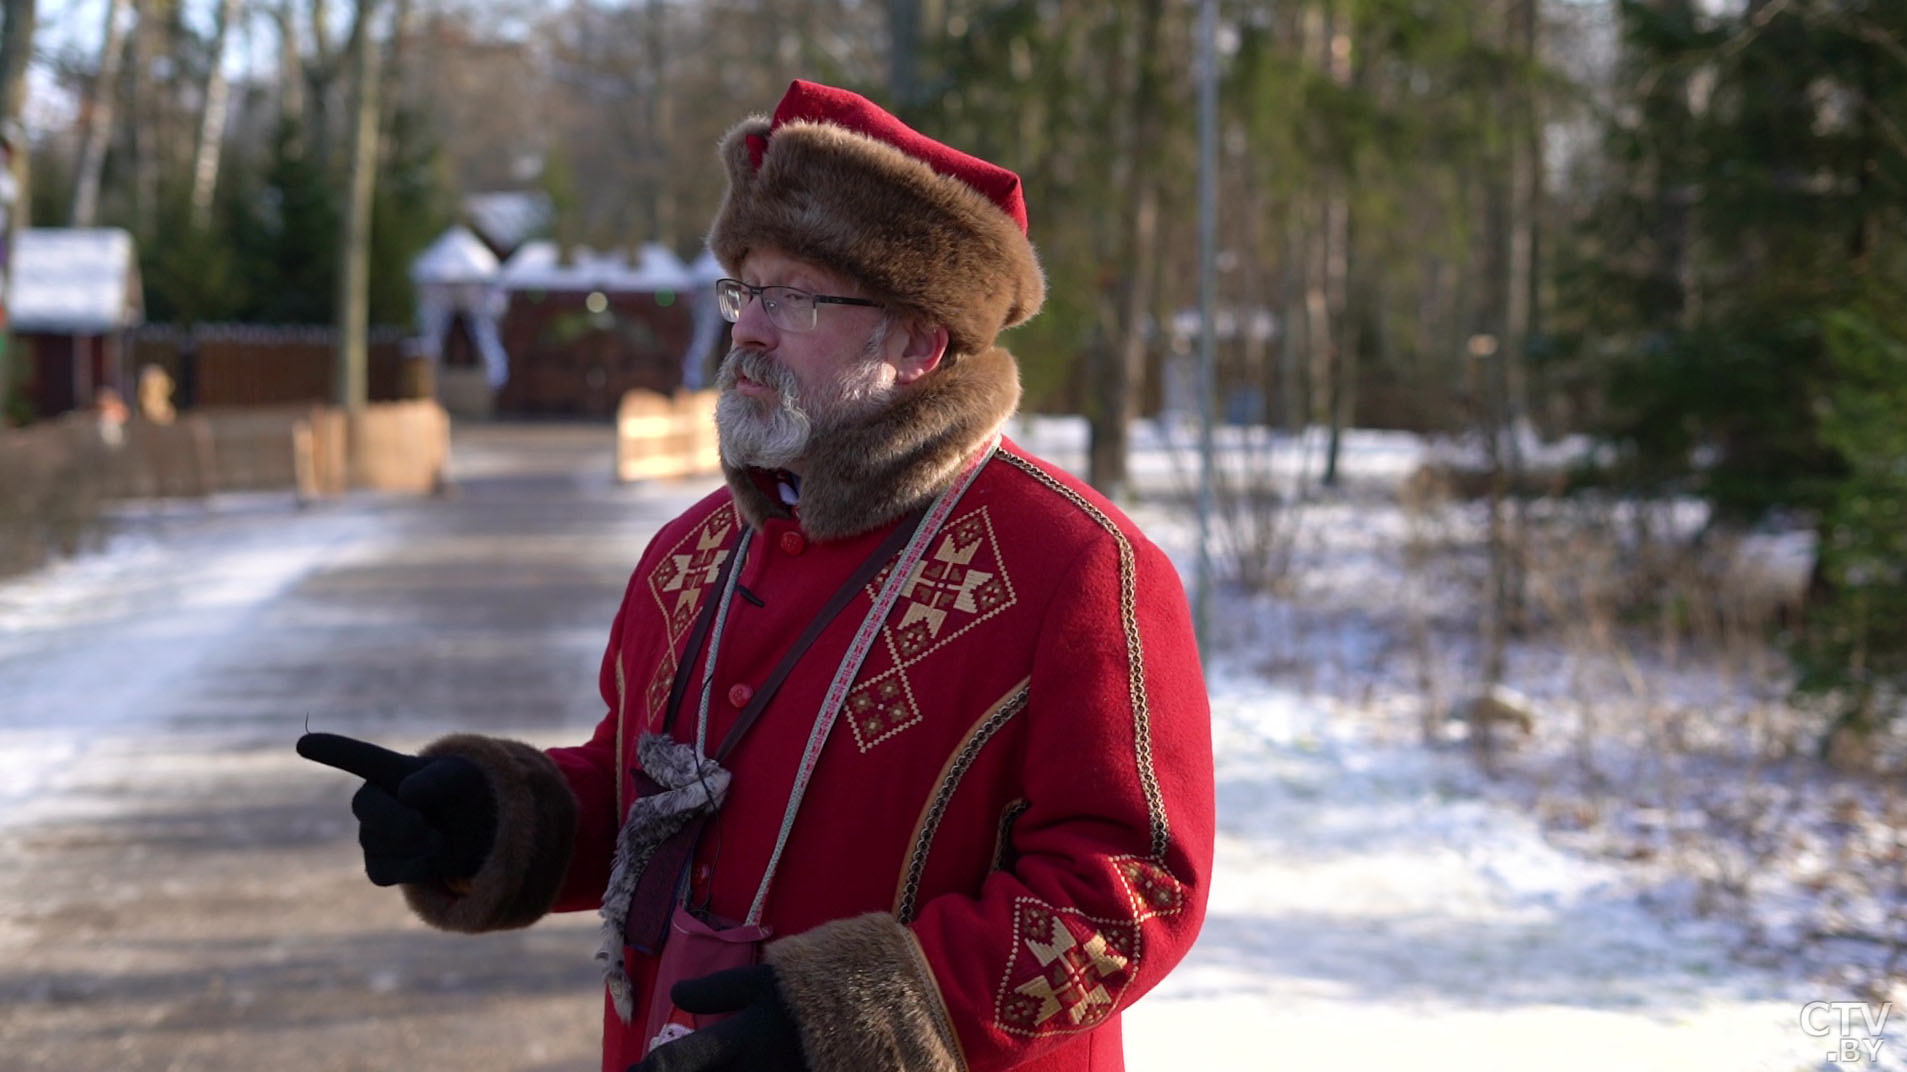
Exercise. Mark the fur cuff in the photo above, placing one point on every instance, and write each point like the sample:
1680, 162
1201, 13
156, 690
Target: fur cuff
865, 998
536, 827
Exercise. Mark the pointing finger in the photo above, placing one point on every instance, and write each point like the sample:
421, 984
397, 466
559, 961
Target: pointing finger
379, 766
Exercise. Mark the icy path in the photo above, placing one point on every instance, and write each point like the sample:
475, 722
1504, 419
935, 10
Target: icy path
103, 642
1367, 913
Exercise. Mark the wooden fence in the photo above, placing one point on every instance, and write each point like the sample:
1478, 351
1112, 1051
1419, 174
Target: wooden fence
661, 436
57, 476
219, 365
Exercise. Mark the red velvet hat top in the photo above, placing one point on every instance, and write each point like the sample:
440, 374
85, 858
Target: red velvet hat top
834, 180
817, 103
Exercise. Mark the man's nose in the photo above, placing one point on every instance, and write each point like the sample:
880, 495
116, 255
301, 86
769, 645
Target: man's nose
752, 327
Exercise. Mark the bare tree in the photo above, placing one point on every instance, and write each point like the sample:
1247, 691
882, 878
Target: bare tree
205, 162
97, 117
1327, 301
291, 81
1123, 351
144, 106
16, 47
1510, 237
354, 270
903, 53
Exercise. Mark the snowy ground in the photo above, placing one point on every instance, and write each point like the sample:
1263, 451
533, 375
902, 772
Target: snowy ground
1380, 905
1376, 904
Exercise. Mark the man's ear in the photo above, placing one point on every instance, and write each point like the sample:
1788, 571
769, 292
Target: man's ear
923, 345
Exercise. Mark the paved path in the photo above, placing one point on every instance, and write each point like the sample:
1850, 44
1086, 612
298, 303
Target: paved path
177, 889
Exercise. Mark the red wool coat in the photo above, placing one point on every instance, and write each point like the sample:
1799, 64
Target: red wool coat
1008, 835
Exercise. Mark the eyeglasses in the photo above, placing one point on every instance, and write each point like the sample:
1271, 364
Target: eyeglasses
787, 308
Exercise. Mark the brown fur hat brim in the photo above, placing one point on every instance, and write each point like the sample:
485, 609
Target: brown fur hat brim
852, 204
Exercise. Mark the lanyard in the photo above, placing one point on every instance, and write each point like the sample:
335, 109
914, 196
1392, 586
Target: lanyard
844, 675
711, 632
915, 532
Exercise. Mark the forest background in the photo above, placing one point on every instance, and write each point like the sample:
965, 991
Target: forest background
1669, 231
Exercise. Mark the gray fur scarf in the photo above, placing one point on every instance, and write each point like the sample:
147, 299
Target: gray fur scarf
692, 785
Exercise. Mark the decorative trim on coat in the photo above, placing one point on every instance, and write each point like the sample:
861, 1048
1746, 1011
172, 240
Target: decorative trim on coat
867, 476
865, 998
906, 899
1135, 650
536, 829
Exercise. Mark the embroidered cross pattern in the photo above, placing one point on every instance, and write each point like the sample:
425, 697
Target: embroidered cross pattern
688, 569
959, 584
1150, 888
1067, 972
678, 586
881, 710
943, 583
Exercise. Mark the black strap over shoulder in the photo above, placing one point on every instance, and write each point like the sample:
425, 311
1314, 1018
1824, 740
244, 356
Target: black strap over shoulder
864, 573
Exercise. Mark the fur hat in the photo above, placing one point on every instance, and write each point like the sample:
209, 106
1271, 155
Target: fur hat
834, 179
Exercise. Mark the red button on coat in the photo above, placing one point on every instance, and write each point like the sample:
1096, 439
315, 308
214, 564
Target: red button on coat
739, 695
793, 542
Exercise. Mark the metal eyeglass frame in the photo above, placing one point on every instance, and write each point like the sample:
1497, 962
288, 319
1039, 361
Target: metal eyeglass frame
784, 305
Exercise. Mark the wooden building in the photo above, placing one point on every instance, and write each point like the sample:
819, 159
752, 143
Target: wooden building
458, 305
76, 295
581, 331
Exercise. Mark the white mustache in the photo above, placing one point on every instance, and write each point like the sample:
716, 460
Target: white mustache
757, 366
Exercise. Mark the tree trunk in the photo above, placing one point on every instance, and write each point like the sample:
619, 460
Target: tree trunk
661, 131
1122, 369
16, 47
97, 119
354, 267
205, 162
320, 77
903, 54
1293, 337
291, 73
1512, 248
144, 121
1339, 352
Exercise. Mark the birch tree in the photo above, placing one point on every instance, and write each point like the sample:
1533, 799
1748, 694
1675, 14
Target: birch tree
97, 115
205, 162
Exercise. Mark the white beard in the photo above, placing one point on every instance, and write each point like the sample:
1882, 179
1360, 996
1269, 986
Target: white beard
758, 433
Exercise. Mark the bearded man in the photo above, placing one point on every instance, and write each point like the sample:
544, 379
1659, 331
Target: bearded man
906, 756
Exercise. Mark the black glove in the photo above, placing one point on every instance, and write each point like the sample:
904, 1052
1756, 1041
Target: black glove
420, 819
762, 1036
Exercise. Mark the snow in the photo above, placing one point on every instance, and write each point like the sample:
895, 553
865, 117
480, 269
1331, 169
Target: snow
457, 257
536, 267
1370, 910
706, 269
1377, 904
507, 218
75, 281
86, 643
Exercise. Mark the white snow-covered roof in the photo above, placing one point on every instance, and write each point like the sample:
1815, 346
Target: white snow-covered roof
76, 280
456, 257
507, 219
707, 269
535, 267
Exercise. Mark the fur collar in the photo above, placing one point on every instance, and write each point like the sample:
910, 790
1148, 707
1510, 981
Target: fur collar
902, 457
